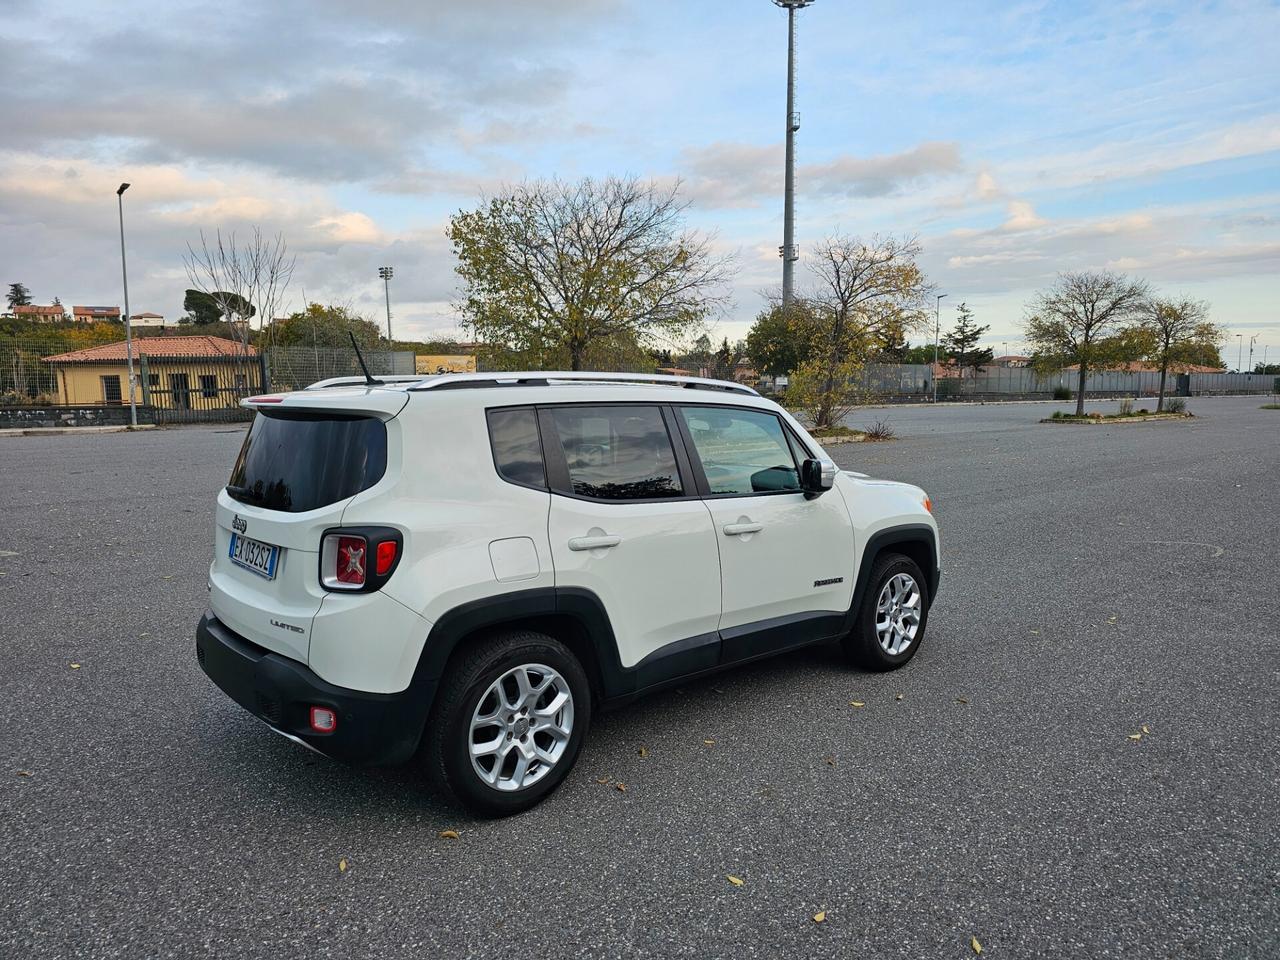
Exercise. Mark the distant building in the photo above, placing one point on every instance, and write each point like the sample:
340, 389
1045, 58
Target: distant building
94, 314
147, 320
182, 372
36, 313
1010, 361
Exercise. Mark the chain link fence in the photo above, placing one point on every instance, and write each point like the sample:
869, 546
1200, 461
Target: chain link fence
292, 368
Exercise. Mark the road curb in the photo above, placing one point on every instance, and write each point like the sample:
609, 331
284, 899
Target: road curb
58, 431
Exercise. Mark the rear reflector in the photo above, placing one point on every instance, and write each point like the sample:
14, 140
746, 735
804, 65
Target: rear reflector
323, 720
386, 557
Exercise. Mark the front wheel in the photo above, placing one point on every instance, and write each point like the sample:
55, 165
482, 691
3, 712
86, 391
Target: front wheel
890, 625
509, 722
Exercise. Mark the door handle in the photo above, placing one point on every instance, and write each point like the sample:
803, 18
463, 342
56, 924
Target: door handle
738, 529
593, 543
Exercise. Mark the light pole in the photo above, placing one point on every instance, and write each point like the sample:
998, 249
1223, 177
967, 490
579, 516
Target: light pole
937, 332
1240, 353
385, 273
1252, 341
128, 325
788, 250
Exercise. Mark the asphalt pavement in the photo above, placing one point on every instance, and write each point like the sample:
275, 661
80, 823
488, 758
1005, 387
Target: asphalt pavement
1081, 761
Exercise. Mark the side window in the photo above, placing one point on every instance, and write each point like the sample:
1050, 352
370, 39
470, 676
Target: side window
617, 453
517, 451
742, 451
797, 448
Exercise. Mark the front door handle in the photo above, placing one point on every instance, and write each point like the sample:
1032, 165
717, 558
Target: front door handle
741, 528
593, 543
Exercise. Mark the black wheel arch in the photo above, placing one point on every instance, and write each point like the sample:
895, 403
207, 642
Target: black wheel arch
914, 540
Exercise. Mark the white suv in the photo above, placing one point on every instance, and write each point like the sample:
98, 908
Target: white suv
470, 565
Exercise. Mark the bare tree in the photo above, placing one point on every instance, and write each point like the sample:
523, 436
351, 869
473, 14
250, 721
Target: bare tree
865, 292
1178, 329
1086, 318
551, 268
244, 278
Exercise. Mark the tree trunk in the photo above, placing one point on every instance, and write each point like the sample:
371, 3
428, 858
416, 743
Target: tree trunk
1084, 373
575, 356
1164, 369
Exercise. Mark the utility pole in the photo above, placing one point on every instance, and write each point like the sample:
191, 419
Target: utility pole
1240, 353
1252, 341
937, 332
128, 325
385, 273
788, 251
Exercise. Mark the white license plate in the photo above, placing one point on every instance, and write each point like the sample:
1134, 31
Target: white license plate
254, 555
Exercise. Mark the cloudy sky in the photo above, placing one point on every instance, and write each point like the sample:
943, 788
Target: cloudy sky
1015, 139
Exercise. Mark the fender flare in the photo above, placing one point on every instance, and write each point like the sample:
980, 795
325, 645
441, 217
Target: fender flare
881, 540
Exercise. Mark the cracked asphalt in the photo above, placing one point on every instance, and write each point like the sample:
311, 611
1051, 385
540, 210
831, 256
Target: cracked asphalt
1098, 581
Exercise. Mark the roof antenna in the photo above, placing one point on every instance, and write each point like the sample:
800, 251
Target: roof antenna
356, 347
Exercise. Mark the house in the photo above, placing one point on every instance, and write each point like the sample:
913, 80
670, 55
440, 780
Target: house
1012, 360
154, 320
54, 313
94, 314
173, 372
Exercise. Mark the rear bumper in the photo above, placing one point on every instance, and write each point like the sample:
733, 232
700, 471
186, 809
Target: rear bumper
373, 728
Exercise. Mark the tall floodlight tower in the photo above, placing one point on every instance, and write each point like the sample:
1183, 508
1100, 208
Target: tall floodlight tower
386, 273
788, 251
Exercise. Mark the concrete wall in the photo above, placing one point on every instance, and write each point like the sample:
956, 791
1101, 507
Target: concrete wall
83, 416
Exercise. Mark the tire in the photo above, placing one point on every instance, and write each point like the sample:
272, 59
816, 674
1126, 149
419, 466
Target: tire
525, 726
887, 644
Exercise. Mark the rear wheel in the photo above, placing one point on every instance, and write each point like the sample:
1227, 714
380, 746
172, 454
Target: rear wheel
509, 722
890, 625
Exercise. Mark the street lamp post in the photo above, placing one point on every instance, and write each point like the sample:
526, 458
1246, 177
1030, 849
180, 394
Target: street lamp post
788, 249
937, 332
1252, 341
385, 273
128, 325
1240, 353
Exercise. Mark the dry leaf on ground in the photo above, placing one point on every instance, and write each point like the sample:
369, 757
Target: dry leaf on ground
820, 916
449, 834
75, 666
973, 942
342, 865
857, 703
709, 743
736, 881
620, 787
1135, 736
644, 751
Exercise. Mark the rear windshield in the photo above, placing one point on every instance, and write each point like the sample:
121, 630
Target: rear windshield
300, 461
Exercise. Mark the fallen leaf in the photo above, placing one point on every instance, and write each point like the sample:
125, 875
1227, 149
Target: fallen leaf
621, 787
1144, 729
75, 666
961, 700
857, 703
448, 834
644, 751
1135, 736
820, 916
166, 578
973, 942
736, 881
1035, 631
25, 773
829, 761
709, 743
898, 697
602, 780
1111, 619
342, 865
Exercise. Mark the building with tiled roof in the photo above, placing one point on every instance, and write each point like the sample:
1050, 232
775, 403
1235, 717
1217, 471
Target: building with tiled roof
94, 314
39, 313
174, 372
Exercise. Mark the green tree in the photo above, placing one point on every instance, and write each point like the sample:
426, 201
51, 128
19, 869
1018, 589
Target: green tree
772, 342
324, 326
962, 342
924, 354
1086, 319
1178, 330
19, 296
201, 307
863, 289
549, 268
724, 362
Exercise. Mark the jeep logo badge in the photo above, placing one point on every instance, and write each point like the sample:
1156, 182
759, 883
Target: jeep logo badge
239, 525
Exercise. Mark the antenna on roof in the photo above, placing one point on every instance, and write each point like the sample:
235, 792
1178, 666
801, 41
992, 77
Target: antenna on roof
356, 347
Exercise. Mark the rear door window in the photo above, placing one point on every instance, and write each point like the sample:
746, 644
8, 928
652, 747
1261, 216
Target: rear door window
294, 461
743, 452
517, 451
617, 452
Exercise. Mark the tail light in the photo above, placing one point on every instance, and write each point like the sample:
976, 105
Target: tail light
358, 558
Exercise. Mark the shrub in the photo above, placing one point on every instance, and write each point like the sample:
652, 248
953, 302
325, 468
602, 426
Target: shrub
1126, 407
880, 431
1175, 405
1062, 393
1143, 411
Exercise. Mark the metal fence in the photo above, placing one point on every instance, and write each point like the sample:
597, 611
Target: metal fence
292, 368
905, 381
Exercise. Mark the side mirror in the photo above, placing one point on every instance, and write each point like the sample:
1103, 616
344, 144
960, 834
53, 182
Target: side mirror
817, 477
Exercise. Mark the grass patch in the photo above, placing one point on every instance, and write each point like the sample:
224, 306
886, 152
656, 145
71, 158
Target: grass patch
842, 434
1270, 406
1130, 414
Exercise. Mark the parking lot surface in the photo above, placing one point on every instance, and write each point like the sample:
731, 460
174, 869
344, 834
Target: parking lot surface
1081, 761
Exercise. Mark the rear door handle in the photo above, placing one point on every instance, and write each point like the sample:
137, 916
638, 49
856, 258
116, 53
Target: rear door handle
738, 529
593, 543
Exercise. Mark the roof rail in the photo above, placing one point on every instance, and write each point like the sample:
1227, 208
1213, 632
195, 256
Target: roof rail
360, 381
545, 378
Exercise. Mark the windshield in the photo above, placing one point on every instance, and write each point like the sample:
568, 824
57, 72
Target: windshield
300, 461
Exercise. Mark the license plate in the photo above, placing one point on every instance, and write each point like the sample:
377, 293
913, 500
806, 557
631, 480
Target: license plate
254, 555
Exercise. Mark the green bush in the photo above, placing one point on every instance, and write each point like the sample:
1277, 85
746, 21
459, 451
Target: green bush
1126, 407
1175, 405
1062, 393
